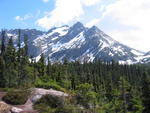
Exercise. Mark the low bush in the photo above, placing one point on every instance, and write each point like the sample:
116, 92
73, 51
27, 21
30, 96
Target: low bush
53, 104
6, 89
48, 104
69, 109
51, 101
16, 97
47, 84
43, 108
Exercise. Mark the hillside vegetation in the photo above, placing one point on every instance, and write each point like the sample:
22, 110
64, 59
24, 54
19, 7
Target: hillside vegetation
97, 87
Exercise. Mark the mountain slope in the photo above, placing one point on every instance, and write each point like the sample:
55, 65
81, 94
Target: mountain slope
78, 43
84, 44
145, 58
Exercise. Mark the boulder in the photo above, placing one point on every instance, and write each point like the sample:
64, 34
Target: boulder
38, 93
4, 108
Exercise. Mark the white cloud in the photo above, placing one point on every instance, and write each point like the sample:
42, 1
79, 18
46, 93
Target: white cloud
93, 22
22, 18
132, 38
90, 2
18, 18
134, 14
64, 12
45, 1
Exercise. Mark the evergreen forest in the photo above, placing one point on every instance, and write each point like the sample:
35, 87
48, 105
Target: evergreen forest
95, 87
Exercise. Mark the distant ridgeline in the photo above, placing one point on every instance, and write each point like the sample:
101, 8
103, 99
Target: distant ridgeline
76, 43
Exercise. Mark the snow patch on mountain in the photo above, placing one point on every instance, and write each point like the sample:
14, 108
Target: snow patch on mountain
74, 43
138, 53
78, 43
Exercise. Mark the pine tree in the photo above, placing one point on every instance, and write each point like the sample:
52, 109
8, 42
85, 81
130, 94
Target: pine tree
146, 93
2, 72
10, 59
124, 95
3, 43
19, 39
41, 66
26, 45
48, 70
19, 51
19, 56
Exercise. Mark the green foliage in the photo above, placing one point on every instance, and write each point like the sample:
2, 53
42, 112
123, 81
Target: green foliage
104, 86
146, 93
136, 105
43, 108
2, 72
53, 104
47, 83
48, 104
85, 95
51, 101
3, 43
16, 97
41, 66
6, 89
83, 88
68, 109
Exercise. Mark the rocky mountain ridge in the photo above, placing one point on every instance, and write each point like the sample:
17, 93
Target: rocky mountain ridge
78, 43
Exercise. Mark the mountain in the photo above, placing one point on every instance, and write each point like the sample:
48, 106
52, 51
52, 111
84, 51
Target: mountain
31, 33
84, 44
79, 43
145, 58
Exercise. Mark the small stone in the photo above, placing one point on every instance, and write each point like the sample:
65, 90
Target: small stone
36, 98
16, 110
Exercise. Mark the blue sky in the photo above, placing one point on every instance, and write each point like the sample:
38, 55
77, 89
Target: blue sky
12, 8
126, 21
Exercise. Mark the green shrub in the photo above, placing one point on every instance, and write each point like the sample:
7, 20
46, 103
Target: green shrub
47, 84
51, 101
16, 97
53, 104
6, 89
68, 109
43, 108
48, 104
86, 96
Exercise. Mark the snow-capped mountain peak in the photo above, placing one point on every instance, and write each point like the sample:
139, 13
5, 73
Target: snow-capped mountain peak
81, 43
78, 43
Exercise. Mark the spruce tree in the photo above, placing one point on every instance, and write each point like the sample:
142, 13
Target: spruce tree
41, 66
2, 72
10, 59
19, 57
146, 93
124, 95
3, 43
48, 70
25, 45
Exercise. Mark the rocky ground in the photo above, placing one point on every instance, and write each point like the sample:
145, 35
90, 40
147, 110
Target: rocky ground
36, 94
